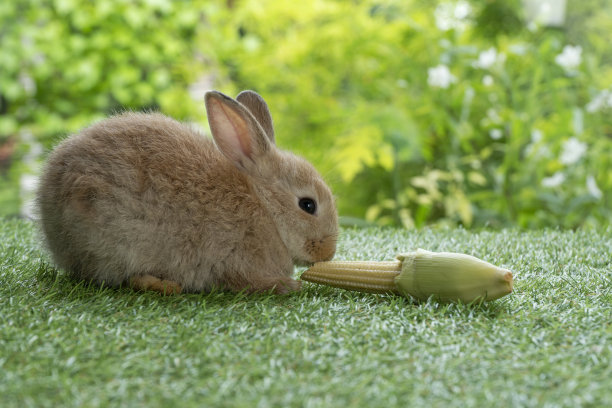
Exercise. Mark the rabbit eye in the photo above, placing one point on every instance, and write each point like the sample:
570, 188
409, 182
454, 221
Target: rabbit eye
308, 204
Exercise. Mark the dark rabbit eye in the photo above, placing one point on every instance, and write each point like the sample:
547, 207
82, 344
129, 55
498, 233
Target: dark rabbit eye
308, 204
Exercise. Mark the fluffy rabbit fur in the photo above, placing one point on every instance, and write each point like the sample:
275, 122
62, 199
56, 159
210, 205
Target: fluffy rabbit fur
145, 200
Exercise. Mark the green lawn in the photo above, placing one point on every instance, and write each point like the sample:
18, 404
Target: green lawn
548, 344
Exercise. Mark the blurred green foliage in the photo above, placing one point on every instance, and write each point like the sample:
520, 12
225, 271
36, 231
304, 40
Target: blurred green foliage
415, 111
66, 63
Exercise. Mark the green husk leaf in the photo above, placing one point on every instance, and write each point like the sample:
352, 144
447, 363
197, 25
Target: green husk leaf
451, 277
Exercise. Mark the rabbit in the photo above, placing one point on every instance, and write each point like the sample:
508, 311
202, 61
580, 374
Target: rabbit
140, 199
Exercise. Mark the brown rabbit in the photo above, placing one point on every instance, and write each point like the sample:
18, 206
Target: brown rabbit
145, 200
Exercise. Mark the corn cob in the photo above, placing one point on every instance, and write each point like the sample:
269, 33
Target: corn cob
363, 276
446, 276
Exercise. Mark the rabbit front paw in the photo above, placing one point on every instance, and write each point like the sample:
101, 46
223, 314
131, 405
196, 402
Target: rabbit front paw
282, 286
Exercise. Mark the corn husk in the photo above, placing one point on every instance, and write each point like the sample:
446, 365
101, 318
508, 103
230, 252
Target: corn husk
451, 277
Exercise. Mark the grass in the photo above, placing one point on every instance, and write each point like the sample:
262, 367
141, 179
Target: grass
65, 343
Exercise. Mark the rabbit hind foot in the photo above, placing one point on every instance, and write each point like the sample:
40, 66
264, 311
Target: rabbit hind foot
152, 283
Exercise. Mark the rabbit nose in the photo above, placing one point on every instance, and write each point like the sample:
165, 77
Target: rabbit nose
321, 249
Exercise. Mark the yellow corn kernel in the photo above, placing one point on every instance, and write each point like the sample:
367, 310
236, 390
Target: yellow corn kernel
363, 276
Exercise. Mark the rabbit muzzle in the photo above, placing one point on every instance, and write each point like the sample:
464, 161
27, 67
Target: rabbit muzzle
321, 249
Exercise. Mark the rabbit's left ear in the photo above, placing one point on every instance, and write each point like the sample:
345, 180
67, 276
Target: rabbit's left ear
259, 109
236, 132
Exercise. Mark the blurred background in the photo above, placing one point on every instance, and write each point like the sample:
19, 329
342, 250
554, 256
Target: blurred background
476, 113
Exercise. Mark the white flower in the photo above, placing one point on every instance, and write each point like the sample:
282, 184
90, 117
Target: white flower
28, 183
492, 119
549, 13
536, 148
462, 10
572, 151
518, 49
532, 26
487, 80
553, 181
600, 101
493, 115
440, 77
486, 59
545, 8
591, 185
595, 105
28, 84
496, 134
452, 16
570, 58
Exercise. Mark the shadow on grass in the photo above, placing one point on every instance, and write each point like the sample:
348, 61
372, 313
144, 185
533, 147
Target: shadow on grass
424, 309
58, 286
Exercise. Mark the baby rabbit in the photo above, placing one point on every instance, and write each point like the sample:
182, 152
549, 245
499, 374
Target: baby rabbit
144, 200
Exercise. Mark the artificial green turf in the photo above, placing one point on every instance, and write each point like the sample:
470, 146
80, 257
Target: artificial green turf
63, 343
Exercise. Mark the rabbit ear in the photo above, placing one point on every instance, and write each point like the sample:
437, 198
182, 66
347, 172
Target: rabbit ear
258, 107
236, 132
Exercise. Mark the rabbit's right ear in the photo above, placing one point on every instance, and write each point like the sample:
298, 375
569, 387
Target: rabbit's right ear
236, 132
259, 108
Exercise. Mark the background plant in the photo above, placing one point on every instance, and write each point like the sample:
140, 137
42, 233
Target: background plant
66, 63
455, 111
417, 112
